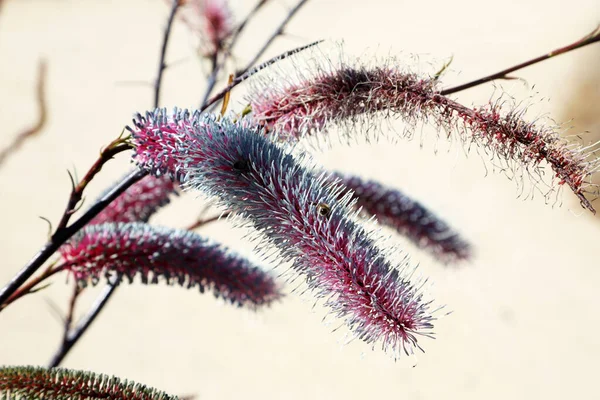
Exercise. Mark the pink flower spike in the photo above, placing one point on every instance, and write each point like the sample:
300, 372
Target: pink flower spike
297, 209
411, 219
212, 20
156, 137
351, 95
139, 202
178, 256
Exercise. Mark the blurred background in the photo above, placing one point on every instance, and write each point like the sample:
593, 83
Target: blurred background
524, 321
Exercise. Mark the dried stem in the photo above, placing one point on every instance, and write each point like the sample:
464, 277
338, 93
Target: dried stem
42, 116
590, 38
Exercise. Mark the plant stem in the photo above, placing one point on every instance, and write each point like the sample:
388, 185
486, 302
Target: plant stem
590, 38
73, 336
62, 235
26, 289
114, 148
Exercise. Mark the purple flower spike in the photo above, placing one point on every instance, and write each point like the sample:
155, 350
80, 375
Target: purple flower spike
139, 202
351, 94
299, 210
156, 138
179, 256
411, 219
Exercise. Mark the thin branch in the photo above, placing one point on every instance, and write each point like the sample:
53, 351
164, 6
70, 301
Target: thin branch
115, 147
68, 322
42, 114
590, 38
73, 336
163, 52
274, 36
30, 287
212, 79
62, 235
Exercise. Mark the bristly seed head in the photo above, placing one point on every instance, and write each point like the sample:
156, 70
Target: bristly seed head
411, 219
183, 257
341, 261
350, 94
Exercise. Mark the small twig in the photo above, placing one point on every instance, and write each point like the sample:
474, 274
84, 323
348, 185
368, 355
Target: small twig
71, 312
163, 52
62, 235
115, 147
212, 79
30, 286
592, 37
74, 335
42, 114
274, 36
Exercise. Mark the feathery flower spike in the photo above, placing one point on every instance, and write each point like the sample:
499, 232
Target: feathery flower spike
297, 209
411, 219
183, 257
139, 202
37, 383
212, 19
349, 94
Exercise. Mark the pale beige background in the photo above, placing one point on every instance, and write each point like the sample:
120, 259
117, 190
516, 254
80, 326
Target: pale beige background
525, 315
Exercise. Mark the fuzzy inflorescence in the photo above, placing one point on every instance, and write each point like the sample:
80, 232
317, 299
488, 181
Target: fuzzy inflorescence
299, 210
410, 218
183, 257
36, 383
212, 19
139, 202
349, 93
